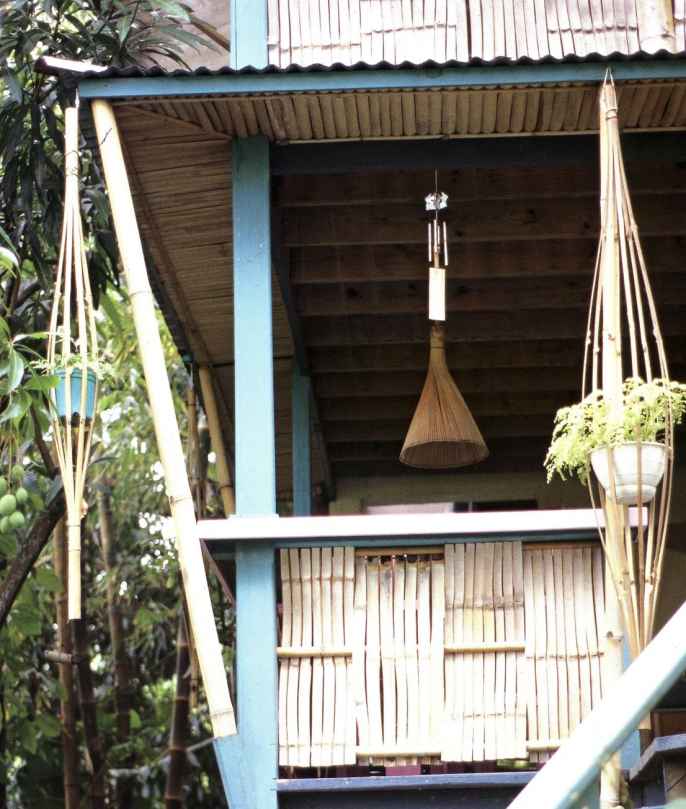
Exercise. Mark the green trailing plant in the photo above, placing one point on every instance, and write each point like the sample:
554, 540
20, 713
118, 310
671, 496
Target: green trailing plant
588, 425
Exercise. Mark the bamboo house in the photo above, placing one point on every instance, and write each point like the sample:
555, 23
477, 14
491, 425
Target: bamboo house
378, 200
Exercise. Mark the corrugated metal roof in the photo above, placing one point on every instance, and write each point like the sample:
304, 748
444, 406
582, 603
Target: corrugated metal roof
136, 71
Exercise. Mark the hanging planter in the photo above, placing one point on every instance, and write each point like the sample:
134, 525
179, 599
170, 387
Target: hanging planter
73, 359
637, 470
72, 378
619, 438
626, 451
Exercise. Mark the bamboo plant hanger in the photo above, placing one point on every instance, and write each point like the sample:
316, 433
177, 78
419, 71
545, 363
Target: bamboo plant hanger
73, 357
442, 433
200, 613
624, 340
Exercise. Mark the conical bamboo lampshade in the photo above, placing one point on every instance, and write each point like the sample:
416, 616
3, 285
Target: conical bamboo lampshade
443, 433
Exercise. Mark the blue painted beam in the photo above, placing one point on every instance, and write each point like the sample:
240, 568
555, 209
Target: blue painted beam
379, 79
301, 448
248, 27
255, 752
254, 373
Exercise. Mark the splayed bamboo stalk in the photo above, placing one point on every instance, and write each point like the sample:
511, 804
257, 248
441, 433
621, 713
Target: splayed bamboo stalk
216, 438
622, 311
72, 354
164, 418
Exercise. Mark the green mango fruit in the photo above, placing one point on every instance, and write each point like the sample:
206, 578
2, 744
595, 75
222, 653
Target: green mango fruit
8, 504
17, 473
3, 486
22, 495
5, 526
17, 520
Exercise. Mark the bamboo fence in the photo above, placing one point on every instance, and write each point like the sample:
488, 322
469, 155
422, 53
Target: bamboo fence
475, 652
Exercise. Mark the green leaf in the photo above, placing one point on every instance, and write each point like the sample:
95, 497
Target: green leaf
135, 719
48, 725
48, 580
8, 259
27, 619
15, 370
28, 736
41, 382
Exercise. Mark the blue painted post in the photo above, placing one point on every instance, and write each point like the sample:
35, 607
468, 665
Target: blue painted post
249, 27
256, 631
631, 749
302, 477
591, 798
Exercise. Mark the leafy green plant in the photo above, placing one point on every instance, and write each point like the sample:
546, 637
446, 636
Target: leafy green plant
588, 425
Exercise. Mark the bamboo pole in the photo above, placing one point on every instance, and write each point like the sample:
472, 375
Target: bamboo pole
609, 292
70, 749
656, 25
164, 418
217, 441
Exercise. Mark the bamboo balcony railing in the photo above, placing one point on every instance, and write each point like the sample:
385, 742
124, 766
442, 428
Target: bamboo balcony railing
434, 638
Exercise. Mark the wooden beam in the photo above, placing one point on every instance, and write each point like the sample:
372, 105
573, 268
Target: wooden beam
492, 294
497, 220
510, 426
528, 258
502, 448
406, 383
301, 451
460, 356
470, 327
347, 158
467, 185
401, 408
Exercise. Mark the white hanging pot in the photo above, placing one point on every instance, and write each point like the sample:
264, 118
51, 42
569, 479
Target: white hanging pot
625, 462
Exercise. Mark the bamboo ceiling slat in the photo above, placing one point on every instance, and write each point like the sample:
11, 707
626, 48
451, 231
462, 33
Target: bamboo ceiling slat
182, 193
414, 114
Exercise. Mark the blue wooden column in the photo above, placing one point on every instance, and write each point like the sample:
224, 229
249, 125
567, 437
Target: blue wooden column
301, 448
248, 25
256, 629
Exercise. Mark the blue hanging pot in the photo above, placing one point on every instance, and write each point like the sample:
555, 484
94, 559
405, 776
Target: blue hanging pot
75, 380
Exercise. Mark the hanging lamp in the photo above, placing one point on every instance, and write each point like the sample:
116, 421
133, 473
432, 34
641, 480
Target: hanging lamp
72, 358
442, 433
624, 347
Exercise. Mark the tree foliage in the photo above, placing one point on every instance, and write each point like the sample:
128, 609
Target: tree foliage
125, 458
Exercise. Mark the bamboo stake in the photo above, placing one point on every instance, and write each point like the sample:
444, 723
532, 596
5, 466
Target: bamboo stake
164, 418
217, 440
70, 750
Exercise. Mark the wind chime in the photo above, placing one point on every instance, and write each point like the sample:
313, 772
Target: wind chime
72, 358
442, 433
623, 345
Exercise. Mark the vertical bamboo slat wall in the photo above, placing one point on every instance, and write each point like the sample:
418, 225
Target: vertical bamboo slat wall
485, 711
564, 597
472, 652
309, 32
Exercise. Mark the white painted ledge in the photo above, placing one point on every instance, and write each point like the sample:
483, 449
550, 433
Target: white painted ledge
403, 525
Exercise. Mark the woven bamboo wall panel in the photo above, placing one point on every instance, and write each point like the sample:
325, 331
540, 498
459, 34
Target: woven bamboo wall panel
491, 652
564, 608
307, 32
398, 659
316, 717
485, 703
